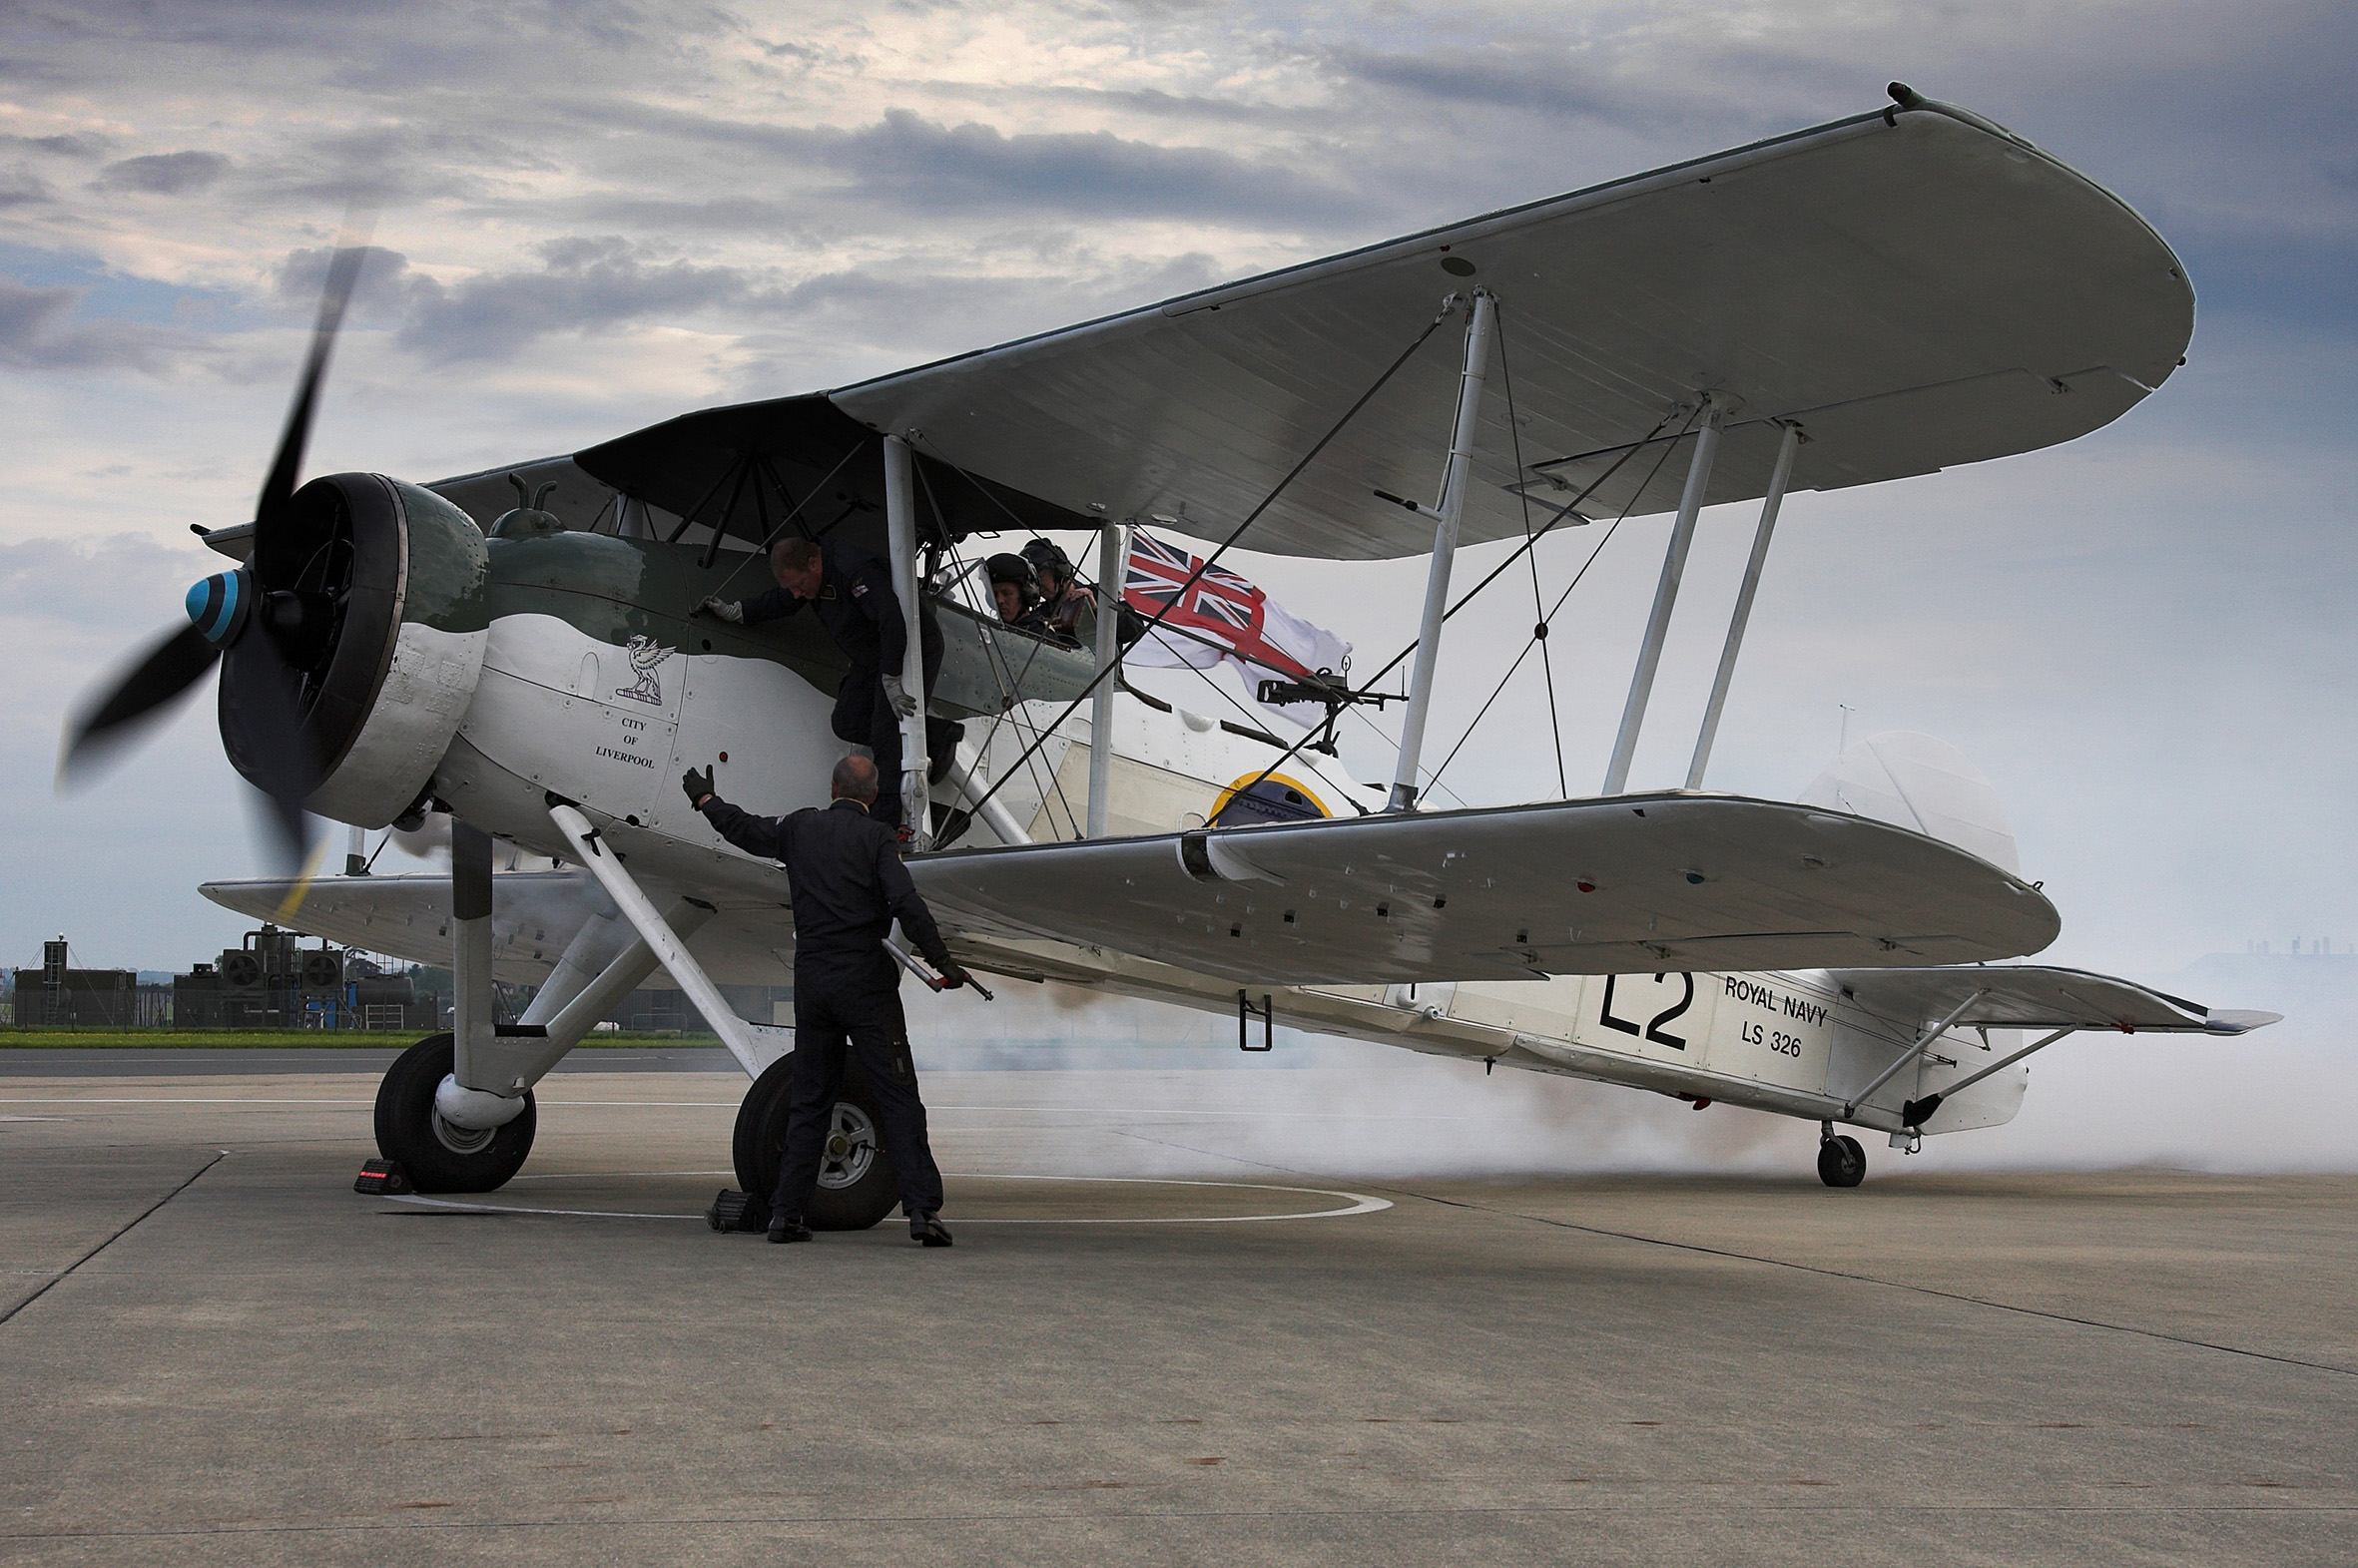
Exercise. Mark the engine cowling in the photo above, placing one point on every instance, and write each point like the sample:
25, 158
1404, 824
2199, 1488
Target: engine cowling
380, 592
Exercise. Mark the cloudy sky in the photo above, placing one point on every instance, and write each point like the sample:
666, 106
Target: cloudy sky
595, 216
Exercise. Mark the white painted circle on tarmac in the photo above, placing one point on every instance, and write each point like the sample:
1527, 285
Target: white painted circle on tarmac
1349, 1203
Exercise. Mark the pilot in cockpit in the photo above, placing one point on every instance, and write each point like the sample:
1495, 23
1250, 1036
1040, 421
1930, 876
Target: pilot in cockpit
1016, 594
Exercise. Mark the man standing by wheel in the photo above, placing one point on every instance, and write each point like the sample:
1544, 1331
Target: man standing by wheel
850, 591
849, 886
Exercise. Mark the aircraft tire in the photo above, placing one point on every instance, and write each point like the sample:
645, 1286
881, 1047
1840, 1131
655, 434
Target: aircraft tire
1840, 1161
853, 1194
436, 1157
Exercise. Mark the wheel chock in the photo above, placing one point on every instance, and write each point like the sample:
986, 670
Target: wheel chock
382, 1178
736, 1211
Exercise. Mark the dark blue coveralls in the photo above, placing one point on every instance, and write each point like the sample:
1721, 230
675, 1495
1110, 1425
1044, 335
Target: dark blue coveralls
849, 886
860, 610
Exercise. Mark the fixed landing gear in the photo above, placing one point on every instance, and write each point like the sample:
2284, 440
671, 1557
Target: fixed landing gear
1840, 1161
438, 1156
857, 1183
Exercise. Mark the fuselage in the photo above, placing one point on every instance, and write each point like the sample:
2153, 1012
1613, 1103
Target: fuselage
600, 686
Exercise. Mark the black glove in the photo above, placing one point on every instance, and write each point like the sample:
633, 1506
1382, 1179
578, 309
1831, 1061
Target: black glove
698, 784
952, 975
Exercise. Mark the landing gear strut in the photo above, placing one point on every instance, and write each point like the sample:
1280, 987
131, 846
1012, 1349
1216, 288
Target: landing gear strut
438, 1156
1840, 1161
857, 1183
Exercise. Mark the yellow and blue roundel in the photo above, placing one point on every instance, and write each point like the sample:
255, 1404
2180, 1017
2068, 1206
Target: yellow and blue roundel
1276, 798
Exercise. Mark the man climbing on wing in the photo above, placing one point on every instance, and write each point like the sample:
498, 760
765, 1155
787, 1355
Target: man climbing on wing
852, 593
849, 886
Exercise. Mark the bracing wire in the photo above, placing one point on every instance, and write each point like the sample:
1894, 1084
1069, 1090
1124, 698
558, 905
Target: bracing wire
1395, 662
1239, 531
1667, 448
1540, 627
1001, 671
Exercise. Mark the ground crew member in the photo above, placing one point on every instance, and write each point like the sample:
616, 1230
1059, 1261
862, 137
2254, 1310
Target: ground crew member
1067, 608
849, 886
852, 593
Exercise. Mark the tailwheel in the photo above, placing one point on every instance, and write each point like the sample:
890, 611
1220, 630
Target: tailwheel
857, 1188
438, 1156
1840, 1161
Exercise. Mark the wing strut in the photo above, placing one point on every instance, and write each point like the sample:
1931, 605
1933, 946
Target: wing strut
1657, 626
901, 530
1444, 547
1923, 1043
754, 1047
1113, 567
1779, 477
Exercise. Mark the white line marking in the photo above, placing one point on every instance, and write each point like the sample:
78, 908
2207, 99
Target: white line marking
1359, 1202
569, 1213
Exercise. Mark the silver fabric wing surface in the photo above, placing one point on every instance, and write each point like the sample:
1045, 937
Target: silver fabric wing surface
1916, 287
2026, 996
1635, 883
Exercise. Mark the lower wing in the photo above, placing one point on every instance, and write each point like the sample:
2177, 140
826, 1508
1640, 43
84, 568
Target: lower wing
1625, 884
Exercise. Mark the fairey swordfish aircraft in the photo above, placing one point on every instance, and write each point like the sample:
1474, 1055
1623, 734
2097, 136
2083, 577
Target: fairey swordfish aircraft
1881, 296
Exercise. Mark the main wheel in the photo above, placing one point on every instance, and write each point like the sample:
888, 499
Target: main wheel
1840, 1161
857, 1183
438, 1157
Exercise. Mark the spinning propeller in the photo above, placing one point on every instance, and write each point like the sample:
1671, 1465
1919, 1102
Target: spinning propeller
268, 621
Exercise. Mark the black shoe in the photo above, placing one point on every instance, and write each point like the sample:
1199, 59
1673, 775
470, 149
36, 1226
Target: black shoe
788, 1227
927, 1229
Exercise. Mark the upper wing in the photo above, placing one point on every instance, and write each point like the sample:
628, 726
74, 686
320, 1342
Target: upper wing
2025, 996
1626, 885
1916, 287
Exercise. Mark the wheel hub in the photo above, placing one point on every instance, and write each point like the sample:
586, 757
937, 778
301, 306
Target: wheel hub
850, 1149
462, 1140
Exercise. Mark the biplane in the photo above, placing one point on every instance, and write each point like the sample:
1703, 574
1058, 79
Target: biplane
1889, 294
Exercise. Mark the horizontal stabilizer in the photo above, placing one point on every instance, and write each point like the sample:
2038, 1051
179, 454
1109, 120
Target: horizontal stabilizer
1628, 884
2033, 996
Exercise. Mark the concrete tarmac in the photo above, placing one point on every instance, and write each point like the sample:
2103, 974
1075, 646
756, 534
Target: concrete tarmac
214, 1351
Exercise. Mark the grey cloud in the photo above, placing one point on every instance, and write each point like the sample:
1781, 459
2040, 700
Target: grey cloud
35, 334
970, 167
165, 174
18, 188
385, 165
1540, 76
910, 163
585, 284
84, 146
117, 581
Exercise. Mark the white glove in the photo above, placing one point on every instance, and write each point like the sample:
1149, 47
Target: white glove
729, 610
903, 704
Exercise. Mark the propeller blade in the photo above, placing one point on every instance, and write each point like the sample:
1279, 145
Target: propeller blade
343, 272
262, 728
106, 727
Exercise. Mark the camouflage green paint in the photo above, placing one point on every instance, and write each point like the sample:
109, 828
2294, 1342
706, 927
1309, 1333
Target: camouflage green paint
449, 571
613, 589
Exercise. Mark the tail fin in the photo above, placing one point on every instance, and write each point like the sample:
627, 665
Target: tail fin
1914, 781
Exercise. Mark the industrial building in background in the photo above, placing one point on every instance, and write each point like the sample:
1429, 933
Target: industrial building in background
270, 981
